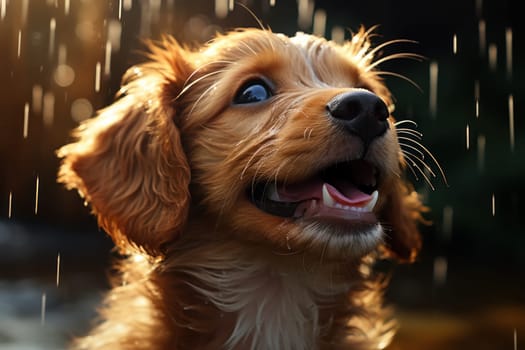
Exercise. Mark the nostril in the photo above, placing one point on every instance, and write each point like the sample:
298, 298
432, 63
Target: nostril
361, 112
381, 110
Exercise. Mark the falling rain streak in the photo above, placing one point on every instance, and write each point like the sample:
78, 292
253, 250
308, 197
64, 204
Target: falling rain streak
26, 120
43, 310
448, 216
455, 44
482, 37
515, 339
467, 136
319, 22
511, 122
107, 64
440, 270
37, 185
10, 206
3, 7
97, 77
433, 88
52, 30
493, 205
493, 57
58, 269
481, 152
19, 44
508, 50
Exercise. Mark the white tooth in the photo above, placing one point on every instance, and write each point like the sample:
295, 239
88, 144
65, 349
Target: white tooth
327, 198
273, 194
372, 203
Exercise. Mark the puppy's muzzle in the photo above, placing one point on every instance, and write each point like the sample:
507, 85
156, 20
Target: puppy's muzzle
361, 112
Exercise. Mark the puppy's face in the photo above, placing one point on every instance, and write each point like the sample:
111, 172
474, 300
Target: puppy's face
290, 142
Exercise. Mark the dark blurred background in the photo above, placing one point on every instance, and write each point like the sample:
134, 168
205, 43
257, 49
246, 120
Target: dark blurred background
61, 60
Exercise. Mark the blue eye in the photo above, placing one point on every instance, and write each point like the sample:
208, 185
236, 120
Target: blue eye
253, 91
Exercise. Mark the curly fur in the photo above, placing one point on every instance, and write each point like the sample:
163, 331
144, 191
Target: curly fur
165, 170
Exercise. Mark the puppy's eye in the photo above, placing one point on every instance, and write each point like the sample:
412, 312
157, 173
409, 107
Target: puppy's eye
253, 91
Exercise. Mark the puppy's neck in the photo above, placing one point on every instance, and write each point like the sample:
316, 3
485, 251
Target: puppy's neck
263, 294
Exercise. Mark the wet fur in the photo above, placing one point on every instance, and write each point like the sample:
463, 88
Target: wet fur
166, 167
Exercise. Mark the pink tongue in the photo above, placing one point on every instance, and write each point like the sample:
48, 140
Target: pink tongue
345, 193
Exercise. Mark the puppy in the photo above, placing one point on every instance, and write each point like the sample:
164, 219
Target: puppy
249, 184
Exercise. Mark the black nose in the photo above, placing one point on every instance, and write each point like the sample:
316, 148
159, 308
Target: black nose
361, 112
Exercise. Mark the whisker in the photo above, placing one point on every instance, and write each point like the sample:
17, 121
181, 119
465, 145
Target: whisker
187, 86
420, 155
405, 121
422, 162
211, 87
401, 76
424, 175
412, 132
409, 160
427, 151
372, 52
394, 56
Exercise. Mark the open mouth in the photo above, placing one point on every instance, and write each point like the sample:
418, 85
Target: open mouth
344, 191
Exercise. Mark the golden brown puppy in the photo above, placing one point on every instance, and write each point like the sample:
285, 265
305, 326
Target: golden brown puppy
249, 184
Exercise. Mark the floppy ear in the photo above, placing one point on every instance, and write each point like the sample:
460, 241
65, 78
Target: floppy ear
128, 162
403, 214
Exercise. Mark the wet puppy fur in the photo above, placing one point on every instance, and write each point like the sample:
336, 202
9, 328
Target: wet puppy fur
171, 168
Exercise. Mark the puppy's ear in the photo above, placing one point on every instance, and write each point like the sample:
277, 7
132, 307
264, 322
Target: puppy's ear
128, 162
403, 214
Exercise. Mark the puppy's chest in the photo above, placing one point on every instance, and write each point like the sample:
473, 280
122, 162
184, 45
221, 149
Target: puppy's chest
276, 309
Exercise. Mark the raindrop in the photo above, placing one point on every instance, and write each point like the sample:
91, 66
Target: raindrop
515, 339
440, 270
43, 310
479, 7
52, 29
305, 13
48, 108
482, 37
119, 10
476, 97
37, 186
319, 22
127, 4
97, 77
26, 120
107, 62
288, 243
481, 152
508, 49
62, 54
19, 45
455, 44
58, 269
448, 215
10, 205
3, 7
221, 8
511, 122
467, 131
66, 7
493, 56
81, 109
114, 33
493, 205
433, 88
272, 3
25, 7
338, 34
37, 94
64, 75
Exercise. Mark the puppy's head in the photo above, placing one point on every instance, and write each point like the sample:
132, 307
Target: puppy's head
283, 141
